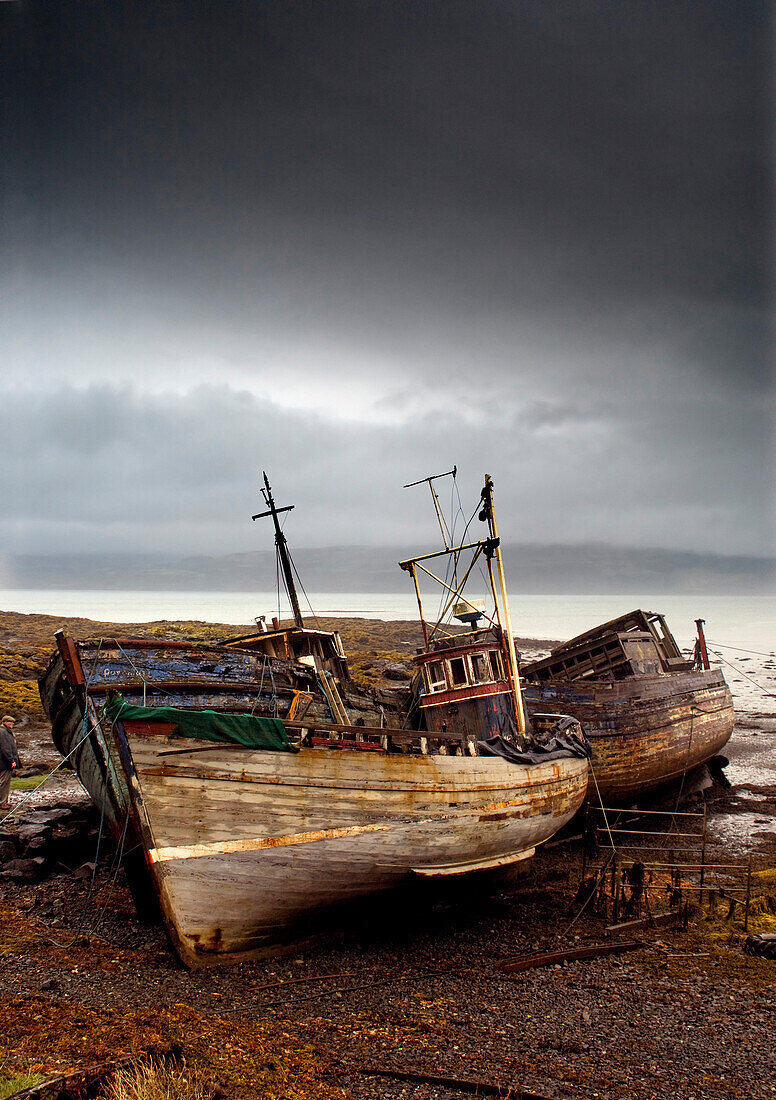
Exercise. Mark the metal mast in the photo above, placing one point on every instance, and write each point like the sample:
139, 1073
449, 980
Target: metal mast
282, 548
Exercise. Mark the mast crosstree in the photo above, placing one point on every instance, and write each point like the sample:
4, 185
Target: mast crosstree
282, 548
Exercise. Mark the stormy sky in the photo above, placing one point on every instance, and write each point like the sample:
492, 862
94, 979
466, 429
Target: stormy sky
356, 243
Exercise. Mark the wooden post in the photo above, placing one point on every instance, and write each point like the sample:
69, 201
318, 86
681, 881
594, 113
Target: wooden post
414, 576
616, 883
703, 859
748, 893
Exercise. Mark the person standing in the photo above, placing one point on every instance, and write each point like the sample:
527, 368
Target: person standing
9, 760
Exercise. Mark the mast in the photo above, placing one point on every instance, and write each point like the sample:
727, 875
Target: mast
489, 514
282, 548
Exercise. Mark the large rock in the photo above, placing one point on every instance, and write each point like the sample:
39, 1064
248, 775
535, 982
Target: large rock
47, 817
28, 833
25, 870
397, 672
8, 851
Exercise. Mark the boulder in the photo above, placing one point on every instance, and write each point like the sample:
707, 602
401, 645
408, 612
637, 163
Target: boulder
28, 833
47, 817
397, 672
25, 870
8, 851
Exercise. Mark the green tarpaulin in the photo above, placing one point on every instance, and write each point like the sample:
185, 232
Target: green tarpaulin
208, 725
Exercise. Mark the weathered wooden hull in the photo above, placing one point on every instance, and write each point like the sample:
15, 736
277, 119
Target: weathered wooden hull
645, 731
249, 849
153, 673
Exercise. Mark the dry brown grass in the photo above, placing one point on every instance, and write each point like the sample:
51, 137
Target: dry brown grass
156, 1081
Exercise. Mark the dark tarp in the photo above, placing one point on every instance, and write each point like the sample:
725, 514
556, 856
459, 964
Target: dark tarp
208, 725
560, 743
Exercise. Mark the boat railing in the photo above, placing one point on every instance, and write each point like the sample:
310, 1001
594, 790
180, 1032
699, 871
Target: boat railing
330, 735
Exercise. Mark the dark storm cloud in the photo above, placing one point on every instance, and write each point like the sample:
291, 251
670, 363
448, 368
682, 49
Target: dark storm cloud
530, 236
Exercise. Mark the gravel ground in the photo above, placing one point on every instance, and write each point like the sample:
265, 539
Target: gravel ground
415, 985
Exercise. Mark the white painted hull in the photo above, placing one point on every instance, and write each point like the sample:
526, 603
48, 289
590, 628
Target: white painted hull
248, 848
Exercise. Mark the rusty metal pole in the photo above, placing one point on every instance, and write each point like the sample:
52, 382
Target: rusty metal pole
704, 653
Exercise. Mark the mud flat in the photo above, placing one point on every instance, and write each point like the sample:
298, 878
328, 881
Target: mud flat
414, 986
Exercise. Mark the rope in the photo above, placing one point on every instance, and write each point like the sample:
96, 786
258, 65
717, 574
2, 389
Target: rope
30, 793
674, 823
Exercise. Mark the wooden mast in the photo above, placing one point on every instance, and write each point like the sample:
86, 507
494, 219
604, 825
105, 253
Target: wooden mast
489, 515
282, 547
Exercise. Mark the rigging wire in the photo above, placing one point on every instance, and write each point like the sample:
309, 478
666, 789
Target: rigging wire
738, 649
304, 590
17, 805
741, 672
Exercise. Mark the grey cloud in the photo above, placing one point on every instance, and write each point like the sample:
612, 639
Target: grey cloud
530, 237
173, 472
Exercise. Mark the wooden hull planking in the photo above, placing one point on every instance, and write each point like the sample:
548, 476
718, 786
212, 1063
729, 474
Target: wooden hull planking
153, 673
249, 849
645, 731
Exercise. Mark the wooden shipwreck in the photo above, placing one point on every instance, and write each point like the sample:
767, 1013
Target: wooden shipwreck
254, 812
651, 714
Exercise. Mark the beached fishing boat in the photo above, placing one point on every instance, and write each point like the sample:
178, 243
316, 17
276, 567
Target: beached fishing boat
258, 821
651, 714
257, 817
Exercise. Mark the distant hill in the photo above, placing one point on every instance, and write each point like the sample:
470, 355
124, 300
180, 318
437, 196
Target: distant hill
531, 568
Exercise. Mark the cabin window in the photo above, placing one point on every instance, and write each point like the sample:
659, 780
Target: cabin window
481, 673
458, 671
435, 676
496, 664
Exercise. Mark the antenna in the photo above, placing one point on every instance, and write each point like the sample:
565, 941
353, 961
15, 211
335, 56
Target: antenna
446, 536
282, 548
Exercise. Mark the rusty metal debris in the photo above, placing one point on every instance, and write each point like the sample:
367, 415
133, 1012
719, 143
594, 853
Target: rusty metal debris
762, 946
571, 954
463, 1084
298, 981
658, 920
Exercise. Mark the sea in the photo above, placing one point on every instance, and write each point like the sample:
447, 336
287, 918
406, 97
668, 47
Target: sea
744, 623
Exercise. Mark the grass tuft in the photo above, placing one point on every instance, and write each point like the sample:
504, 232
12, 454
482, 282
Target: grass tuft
10, 1085
154, 1081
26, 782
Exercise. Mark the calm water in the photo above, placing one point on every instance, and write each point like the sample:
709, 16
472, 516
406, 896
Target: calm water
745, 621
